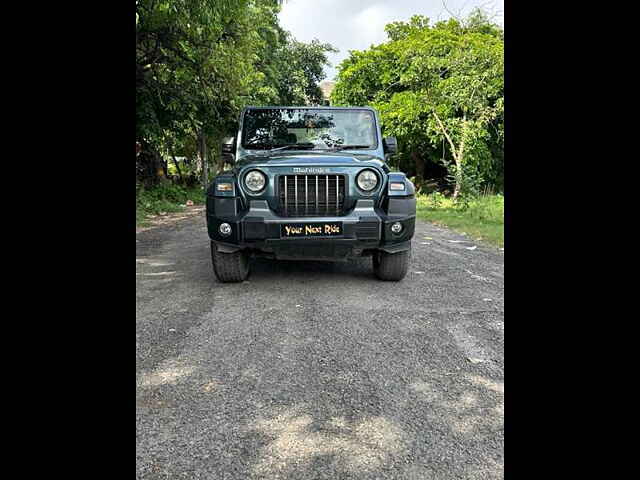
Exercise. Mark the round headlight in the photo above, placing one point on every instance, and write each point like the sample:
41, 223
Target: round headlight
255, 181
367, 180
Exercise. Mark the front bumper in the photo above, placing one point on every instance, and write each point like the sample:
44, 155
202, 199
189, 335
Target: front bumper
365, 228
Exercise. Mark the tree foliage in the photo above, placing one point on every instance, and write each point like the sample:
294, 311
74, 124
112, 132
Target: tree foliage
198, 62
440, 90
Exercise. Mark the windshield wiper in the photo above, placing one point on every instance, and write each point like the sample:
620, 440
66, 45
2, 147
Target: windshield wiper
291, 145
346, 147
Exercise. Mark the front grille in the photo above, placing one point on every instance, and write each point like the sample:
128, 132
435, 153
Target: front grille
312, 250
311, 195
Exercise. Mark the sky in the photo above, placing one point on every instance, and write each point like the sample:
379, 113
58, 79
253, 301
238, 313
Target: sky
357, 24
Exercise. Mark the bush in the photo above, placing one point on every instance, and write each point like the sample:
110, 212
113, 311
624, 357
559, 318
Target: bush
165, 197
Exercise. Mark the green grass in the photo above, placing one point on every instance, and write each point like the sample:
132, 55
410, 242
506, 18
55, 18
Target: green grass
482, 221
166, 197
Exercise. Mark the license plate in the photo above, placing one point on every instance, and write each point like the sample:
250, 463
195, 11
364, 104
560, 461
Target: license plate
304, 230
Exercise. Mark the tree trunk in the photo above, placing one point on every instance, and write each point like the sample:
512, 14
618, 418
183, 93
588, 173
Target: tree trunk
175, 162
203, 159
159, 166
459, 158
419, 164
456, 189
221, 160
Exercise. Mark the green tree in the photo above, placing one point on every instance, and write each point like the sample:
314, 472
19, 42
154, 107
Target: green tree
189, 64
198, 62
439, 89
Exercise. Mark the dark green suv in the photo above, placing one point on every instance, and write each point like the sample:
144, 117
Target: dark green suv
310, 183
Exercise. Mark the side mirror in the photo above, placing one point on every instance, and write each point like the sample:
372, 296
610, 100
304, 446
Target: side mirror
229, 150
390, 145
228, 145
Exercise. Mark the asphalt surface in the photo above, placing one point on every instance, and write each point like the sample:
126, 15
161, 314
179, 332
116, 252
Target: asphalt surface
315, 370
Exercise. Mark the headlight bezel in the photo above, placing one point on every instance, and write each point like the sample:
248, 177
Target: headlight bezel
248, 188
375, 186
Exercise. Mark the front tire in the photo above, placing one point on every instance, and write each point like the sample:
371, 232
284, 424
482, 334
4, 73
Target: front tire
391, 266
230, 267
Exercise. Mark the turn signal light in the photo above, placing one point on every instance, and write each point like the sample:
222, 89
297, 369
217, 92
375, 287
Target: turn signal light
224, 187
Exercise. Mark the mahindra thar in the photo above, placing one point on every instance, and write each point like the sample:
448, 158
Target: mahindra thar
310, 183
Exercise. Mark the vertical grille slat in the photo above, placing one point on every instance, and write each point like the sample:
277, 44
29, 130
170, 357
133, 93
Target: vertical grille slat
295, 181
286, 211
298, 197
337, 195
326, 182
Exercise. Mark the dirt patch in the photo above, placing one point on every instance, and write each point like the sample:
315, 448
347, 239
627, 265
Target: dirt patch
156, 221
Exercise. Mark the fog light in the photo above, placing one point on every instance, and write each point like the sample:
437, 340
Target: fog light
396, 227
225, 229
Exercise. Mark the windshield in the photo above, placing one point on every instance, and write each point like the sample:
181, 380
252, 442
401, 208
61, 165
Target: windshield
308, 129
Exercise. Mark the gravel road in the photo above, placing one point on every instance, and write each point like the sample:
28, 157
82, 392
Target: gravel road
318, 370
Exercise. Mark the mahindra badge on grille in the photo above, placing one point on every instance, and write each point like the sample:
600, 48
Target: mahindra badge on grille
311, 170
